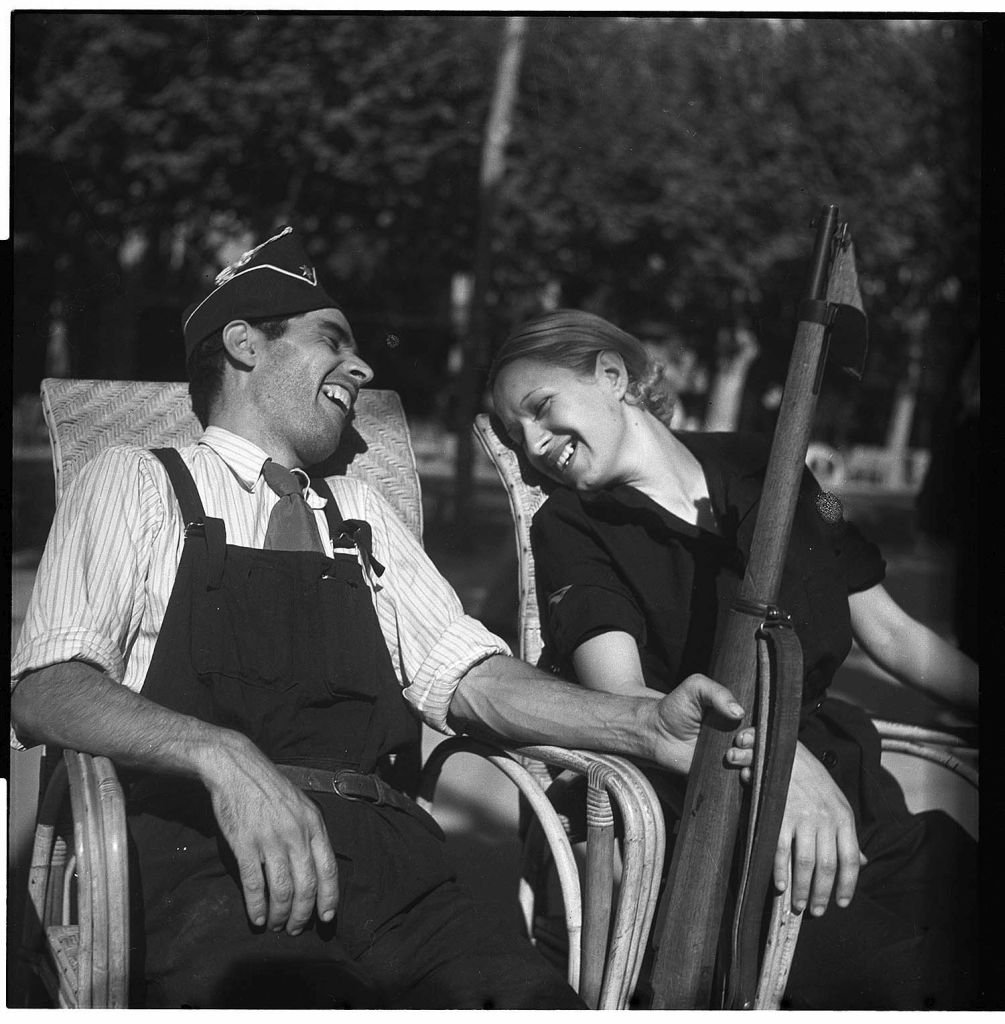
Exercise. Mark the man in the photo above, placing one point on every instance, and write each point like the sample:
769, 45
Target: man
250, 687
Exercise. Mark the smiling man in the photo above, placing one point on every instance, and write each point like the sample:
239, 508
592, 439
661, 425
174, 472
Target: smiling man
239, 637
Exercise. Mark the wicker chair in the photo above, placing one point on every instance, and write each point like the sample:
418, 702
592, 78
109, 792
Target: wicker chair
76, 922
526, 496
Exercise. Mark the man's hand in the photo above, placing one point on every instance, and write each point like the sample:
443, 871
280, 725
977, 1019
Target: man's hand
818, 835
285, 860
278, 837
678, 721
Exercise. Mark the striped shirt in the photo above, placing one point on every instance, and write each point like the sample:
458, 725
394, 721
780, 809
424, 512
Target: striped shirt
110, 562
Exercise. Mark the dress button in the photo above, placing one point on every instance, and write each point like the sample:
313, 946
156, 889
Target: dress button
829, 759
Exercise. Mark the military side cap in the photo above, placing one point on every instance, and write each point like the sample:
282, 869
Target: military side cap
275, 279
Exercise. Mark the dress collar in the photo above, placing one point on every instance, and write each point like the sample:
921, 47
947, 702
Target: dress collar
732, 478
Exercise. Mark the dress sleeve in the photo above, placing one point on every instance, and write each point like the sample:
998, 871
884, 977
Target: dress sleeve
861, 561
579, 590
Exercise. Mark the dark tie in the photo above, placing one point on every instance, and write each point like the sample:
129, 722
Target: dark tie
292, 526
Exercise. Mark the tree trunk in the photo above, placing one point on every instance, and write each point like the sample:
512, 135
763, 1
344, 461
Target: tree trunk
898, 433
726, 393
474, 345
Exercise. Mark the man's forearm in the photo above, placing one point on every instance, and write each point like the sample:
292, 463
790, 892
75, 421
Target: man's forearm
274, 830
520, 703
74, 705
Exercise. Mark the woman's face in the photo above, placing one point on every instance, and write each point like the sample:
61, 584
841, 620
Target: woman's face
570, 425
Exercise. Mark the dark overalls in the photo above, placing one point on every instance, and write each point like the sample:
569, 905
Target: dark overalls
286, 648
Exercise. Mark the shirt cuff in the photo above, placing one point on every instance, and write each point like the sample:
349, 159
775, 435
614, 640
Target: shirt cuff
464, 644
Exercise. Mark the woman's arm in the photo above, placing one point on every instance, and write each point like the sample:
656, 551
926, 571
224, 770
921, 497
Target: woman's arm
818, 830
910, 651
610, 662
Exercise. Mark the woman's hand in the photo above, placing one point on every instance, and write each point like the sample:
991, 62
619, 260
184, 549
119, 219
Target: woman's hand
818, 836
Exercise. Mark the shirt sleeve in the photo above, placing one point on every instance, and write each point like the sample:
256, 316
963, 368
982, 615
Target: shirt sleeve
432, 642
88, 599
579, 591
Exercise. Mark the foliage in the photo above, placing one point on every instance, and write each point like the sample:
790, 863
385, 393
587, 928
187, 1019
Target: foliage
173, 133
662, 171
685, 195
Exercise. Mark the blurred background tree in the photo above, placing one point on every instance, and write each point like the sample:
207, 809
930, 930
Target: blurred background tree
660, 171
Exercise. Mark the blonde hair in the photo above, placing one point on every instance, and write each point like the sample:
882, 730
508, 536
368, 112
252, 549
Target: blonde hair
574, 339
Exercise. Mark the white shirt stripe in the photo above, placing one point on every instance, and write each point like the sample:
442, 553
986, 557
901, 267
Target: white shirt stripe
108, 567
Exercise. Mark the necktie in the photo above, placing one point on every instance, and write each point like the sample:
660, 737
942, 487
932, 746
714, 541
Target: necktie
291, 526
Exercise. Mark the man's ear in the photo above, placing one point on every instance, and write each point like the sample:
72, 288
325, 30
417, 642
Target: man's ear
240, 342
612, 372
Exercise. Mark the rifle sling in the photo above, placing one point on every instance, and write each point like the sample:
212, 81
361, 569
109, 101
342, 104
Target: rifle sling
780, 673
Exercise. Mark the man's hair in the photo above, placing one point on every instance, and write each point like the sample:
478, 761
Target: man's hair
207, 362
574, 339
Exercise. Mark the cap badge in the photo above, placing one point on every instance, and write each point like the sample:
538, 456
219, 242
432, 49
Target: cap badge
231, 269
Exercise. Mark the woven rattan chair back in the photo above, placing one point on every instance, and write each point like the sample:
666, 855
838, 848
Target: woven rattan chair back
526, 495
86, 416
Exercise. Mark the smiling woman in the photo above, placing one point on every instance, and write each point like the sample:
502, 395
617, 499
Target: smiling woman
638, 552
591, 410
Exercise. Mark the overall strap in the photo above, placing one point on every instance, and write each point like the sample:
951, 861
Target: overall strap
185, 489
347, 533
335, 521
193, 515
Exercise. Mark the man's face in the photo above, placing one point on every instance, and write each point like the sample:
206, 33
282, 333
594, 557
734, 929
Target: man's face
305, 386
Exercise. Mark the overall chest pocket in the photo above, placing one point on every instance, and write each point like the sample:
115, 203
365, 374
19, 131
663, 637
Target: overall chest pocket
282, 658
289, 620
257, 626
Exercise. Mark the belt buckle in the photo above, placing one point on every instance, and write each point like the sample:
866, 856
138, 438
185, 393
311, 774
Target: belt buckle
342, 778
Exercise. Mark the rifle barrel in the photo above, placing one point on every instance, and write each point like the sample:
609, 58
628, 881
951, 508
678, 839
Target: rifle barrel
697, 887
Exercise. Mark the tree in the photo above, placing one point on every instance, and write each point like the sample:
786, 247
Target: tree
662, 172
143, 143
497, 131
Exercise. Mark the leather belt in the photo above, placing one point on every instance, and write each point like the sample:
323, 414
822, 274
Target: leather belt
348, 784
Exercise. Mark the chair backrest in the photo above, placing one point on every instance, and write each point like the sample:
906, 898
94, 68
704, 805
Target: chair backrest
526, 496
86, 416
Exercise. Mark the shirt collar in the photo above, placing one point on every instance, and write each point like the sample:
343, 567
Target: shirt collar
245, 460
243, 457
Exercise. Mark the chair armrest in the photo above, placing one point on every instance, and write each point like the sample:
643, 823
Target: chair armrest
607, 972
95, 849
943, 748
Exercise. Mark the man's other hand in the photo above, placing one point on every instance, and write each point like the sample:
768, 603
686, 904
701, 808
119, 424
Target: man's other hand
277, 835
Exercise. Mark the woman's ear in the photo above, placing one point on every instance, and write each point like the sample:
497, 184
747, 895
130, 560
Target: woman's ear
240, 343
611, 372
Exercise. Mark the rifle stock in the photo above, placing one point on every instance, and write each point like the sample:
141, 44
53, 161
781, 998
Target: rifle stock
698, 886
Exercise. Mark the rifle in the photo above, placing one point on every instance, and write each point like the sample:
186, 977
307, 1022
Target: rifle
700, 962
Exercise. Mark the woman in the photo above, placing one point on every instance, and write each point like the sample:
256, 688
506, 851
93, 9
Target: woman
638, 550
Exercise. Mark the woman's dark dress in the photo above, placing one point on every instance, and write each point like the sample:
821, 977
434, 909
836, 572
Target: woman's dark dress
615, 560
